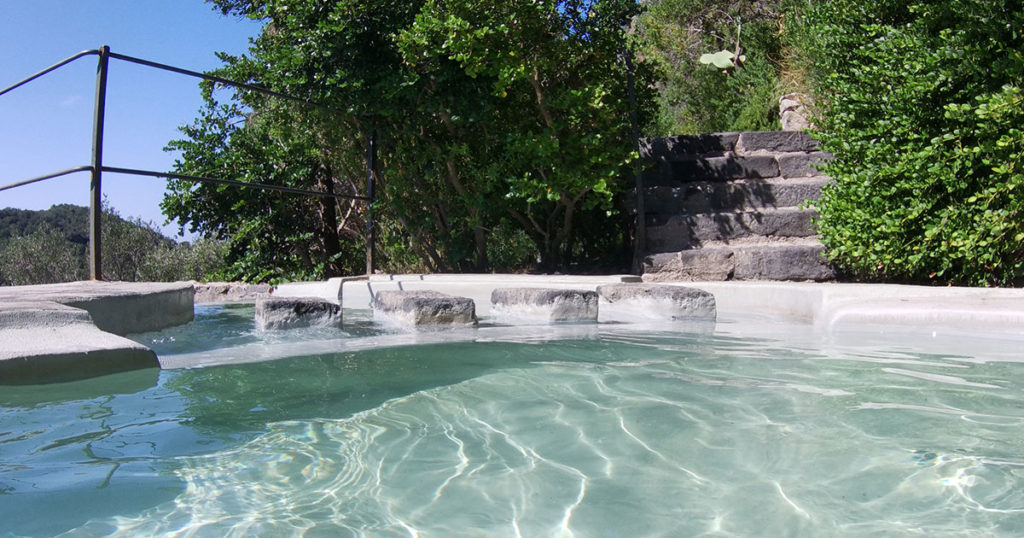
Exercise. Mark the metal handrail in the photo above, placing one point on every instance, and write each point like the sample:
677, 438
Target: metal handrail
97, 168
233, 183
53, 67
47, 176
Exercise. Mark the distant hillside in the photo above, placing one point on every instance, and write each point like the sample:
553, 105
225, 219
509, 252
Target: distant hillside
71, 221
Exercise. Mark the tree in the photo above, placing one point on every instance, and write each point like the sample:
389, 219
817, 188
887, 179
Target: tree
486, 113
922, 111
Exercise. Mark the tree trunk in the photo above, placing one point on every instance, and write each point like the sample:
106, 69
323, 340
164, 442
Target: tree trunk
327, 209
480, 238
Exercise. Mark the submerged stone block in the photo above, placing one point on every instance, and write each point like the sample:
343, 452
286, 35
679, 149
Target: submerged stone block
543, 305
423, 308
642, 302
274, 313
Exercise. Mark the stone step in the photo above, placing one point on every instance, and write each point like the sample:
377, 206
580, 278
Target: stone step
748, 194
687, 147
733, 167
777, 260
682, 232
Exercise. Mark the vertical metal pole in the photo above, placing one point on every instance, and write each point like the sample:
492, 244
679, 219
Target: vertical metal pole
371, 171
640, 234
95, 190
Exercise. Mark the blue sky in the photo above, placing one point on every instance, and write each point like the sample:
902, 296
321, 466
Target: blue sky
46, 126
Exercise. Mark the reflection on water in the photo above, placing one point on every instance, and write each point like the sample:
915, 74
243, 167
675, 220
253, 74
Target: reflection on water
610, 432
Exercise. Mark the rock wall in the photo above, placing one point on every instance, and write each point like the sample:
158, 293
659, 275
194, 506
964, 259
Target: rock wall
729, 206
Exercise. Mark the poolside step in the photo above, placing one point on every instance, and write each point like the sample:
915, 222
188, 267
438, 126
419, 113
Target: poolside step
743, 194
768, 260
728, 206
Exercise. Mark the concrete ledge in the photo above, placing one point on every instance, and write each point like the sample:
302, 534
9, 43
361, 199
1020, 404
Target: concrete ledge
834, 307
60, 332
828, 306
117, 307
66, 353
229, 292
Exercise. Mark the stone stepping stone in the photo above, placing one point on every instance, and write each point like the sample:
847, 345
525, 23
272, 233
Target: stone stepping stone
654, 302
423, 308
274, 313
543, 305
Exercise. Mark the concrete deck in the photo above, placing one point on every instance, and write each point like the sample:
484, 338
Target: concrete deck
59, 332
829, 307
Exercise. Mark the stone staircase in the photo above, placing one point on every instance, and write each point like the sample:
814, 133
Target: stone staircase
726, 206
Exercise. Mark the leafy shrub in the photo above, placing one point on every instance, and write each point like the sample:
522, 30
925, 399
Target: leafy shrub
201, 261
42, 257
697, 98
510, 249
922, 110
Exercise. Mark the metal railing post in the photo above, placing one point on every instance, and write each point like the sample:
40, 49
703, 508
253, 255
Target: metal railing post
640, 234
95, 188
371, 171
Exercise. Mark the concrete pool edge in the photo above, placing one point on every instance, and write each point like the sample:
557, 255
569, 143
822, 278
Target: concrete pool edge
60, 332
828, 307
57, 332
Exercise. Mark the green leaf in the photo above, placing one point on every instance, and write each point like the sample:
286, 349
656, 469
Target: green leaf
722, 59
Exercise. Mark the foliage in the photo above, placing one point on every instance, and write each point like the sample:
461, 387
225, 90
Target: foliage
201, 260
42, 257
269, 234
70, 220
923, 108
126, 244
52, 246
485, 113
723, 62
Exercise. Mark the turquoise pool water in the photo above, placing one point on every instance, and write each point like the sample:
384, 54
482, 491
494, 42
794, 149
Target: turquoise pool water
750, 429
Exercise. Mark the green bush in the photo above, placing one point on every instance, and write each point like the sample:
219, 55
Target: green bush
922, 108
697, 98
44, 256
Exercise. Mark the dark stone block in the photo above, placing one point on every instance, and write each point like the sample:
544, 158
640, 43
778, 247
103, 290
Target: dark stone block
775, 141
707, 197
684, 147
725, 168
802, 164
712, 264
782, 262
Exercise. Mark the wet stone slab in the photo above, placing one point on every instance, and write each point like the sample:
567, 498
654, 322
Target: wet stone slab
639, 302
423, 308
543, 305
274, 313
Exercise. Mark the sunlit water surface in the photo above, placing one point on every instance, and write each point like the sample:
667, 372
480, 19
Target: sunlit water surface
750, 429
